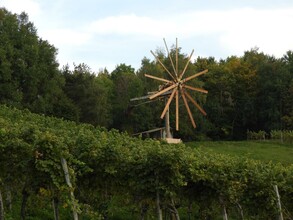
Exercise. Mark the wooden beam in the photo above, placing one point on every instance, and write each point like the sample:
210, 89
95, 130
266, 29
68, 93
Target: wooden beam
177, 110
157, 78
163, 91
195, 89
189, 58
176, 55
195, 103
163, 65
169, 55
168, 103
187, 108
194, 76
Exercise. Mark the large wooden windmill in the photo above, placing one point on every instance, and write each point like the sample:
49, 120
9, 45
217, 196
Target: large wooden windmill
177, 86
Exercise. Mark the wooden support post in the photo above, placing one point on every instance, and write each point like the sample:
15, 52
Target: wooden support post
278, 202
224, 211
67, 178
1, 207
158, 204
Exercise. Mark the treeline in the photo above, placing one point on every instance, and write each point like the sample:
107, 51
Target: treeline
252, 92
115, 176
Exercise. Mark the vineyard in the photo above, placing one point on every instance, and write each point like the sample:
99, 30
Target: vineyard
114, 176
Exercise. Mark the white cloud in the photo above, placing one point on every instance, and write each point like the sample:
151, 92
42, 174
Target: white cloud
31, 7
61, 37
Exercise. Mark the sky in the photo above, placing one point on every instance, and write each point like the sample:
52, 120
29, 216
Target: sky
106, 33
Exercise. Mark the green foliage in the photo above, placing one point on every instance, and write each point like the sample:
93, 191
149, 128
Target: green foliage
106, 166
252, 135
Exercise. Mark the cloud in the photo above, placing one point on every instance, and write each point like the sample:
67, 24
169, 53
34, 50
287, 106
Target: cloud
31, 7
235, 29
64, 36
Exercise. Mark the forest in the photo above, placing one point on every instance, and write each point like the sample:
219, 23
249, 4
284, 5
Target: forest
253, 92
67, 150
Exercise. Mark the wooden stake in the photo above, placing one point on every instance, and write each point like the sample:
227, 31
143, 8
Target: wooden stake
278, 202
1, 207
67, 178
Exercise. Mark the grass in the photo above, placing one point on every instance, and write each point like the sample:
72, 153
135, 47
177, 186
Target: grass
259, 150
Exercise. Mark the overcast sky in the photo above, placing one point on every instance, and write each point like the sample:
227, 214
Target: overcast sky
105, 33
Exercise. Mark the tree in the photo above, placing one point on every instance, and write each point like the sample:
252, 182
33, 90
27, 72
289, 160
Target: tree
90, 94
126, 86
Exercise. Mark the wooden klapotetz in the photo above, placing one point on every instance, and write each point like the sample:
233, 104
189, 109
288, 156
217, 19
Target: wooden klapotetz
177, 86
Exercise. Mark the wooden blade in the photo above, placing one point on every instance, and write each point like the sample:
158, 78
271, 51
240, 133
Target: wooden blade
163, 65
163, 91
176, 55
157, 78
194, 76
169, 55
189, 58
195, 89
195, 103
168, 103
177, 109
187, 108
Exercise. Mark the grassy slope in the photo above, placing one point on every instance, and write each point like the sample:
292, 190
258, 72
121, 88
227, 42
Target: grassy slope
259, 150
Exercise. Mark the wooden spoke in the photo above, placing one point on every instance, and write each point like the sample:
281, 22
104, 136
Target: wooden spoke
158, 78
194, 76
176, 55
189, 58
187, 108
195, 89
177, 109
169, 55
163, 65
168, 103
163, 91
195, 103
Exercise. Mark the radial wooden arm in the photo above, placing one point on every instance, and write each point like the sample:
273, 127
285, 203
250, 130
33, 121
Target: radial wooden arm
163, 91
163, 65
169, 55
187, 108
158, 78
195, 103
189, 58
194, 76
195, 89
168, 103
177, 109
